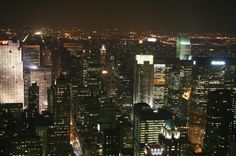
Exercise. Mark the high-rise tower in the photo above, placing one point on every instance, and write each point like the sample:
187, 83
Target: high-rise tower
11, 72
221, 119
183, 47
208, 75
143, 79
43, 77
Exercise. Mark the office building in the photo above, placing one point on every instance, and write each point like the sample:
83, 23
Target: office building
11, 72
148, 125
221, 122
159, 85
43, 77
31, 55
208, 75
143, 79
59, 132
31, 60
178, 90
183, 47
45, 58
26, 145
111, 141
33, 99
170, 139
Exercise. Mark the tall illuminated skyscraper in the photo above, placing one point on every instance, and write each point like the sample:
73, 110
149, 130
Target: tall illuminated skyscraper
11, 72
183, 47
143, 79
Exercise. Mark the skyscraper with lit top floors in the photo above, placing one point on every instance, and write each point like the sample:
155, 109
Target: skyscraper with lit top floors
143, 79
11, 72
183, 47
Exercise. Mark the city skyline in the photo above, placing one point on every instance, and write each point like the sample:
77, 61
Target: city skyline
109, 78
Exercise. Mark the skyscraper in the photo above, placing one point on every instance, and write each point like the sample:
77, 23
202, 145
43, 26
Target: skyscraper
143, 79
43, 77
179, 76
148, 125
33, 100
31, 55
208, 75
59, 132
183, 47
31, 60
45, 58
221, 122
159, 85
11, 72
170, 139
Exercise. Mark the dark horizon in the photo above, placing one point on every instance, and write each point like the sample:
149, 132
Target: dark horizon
185, 16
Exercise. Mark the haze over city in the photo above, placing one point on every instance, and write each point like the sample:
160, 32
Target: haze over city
168, 15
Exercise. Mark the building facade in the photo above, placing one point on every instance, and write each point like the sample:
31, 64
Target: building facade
11, 69
143, 79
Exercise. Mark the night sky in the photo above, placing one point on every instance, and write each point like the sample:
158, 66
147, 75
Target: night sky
167, 15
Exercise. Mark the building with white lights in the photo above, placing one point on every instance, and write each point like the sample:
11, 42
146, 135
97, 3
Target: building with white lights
143, 79
183, 47
11, 72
